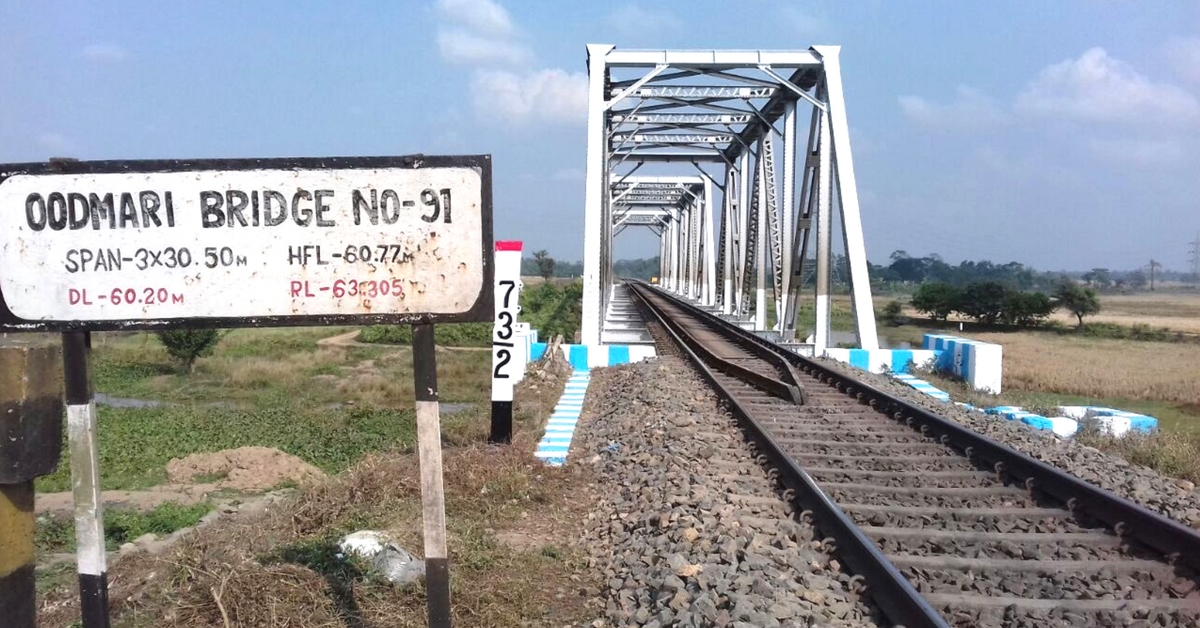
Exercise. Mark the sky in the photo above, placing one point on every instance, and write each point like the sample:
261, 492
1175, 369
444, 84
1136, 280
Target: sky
1063, 135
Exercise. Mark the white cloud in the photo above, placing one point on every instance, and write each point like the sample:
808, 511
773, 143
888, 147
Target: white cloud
1183, 53
105, 52
550, 94
481, 16
1097, 87
463, 47
1139, 152
633, 20
970, 108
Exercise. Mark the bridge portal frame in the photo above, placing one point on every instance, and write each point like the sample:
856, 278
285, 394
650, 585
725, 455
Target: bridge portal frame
657, 114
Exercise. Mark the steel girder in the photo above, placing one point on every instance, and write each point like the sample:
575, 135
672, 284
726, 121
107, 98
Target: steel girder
731, 115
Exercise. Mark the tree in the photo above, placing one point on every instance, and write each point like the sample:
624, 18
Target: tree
1136, 279
1079, 300
984, 301
892, 313
545, 264
1101, 277
188, 345
1027, 308
937, 300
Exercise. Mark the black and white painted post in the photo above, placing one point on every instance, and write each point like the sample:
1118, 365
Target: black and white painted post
151, 245
433, 499
85, 478
506, 363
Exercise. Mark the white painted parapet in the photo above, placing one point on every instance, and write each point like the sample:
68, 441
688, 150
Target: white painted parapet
977, 363
583, 357
884, 360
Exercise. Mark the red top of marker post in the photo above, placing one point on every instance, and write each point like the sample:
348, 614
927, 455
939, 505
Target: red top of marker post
508, 245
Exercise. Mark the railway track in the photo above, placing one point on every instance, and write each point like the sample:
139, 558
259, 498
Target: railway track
944, 526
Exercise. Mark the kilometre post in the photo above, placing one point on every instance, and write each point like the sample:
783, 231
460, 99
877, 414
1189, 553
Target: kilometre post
30, 437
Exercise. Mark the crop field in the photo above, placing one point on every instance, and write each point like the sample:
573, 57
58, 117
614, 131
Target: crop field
1177, 311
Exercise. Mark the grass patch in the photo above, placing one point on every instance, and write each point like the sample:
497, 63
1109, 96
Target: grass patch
270, 387
1176, 454
458, 335
135, 444
280, 567
56, 534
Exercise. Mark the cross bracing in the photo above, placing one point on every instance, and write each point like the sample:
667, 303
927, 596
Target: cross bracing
749, 204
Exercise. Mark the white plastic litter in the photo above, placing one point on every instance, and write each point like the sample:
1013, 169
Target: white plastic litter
387, 557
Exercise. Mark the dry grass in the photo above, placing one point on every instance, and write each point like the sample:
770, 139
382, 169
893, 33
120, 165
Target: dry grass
1176, 454
279, 568
1093, 367
1175, 311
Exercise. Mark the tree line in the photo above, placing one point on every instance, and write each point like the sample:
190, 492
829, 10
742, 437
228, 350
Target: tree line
542, 265
992, 302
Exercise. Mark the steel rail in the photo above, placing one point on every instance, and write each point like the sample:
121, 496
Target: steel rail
887, 587
1177, 542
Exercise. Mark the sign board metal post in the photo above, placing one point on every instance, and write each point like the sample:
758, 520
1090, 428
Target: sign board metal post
506, 365
85, 479
433, 499
30, 439
148, 245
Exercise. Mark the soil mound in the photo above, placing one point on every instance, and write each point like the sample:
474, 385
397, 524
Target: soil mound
244, 468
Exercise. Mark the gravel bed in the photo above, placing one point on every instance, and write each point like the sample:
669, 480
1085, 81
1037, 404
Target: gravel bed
1168, 496
688, 530
991, 524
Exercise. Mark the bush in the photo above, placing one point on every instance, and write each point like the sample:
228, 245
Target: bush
937, 300
188, 345
892, 313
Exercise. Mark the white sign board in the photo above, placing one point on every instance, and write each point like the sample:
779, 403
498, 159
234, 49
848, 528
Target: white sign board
506, 365
264, 242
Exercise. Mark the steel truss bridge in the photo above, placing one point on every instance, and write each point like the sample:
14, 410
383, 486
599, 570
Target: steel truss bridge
702, 148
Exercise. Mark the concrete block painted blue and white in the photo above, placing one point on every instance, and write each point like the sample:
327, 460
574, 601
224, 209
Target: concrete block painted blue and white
977, 363
584, 357
553, 447
1061, 426
884, 360
923, 386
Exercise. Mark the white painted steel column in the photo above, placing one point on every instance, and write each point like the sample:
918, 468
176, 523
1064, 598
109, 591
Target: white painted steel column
710, 252
743, 227
595, 195
695, 231
727, 219
856, 252
824, 248
762, 245
663, 257
787, 205
680, 252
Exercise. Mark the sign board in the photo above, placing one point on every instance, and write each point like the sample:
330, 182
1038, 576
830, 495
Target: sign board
237, 243
508, 363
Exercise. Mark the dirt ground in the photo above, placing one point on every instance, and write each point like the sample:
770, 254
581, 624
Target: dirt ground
511, 524
244, 468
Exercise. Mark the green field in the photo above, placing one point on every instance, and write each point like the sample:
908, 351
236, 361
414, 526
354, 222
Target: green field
277, 388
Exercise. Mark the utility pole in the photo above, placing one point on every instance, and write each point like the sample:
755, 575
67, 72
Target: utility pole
1195, 258
1153, 265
